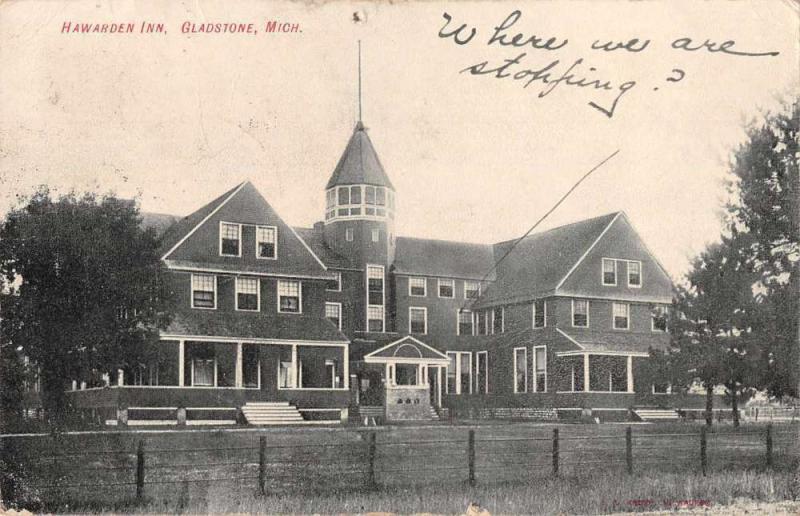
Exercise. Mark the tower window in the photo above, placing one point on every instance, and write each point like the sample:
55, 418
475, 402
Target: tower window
348, 234
380, 196
355, 195
344, 195
376, 235
369, 194
230, 239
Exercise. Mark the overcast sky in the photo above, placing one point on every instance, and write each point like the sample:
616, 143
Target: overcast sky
180, 118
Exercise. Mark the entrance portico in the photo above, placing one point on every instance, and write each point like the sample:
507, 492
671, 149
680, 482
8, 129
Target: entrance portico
412, 377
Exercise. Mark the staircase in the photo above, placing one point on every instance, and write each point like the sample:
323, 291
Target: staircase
271, 413
434, 413
656, 414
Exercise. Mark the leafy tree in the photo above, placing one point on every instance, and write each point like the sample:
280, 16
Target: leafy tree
765, 183
91, 296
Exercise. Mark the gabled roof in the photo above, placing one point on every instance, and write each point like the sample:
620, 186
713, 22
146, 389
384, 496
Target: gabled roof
315, 239
427, 257
406, 348
359, 163
540, 261
184, 226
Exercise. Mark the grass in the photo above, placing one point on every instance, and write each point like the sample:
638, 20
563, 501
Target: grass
325, 471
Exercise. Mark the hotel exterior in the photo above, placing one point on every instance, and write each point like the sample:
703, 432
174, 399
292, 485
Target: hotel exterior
346, 321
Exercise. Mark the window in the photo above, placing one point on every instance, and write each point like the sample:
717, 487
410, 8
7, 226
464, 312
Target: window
289, 296
520, 370
229, 239
472, 289
659, 318
266, 242
498, 320
333, 311
334, 285
609, 271
539, 369
376, 235
204, 372
369, 194
330, 199
634, 274
380, 196
344, 195
375, 298
417, 320
539, 313
662, 388
348, 234
464, 322
248, 294
483, 326
355, 195
406, 374
447, 288
459, 372
375, 319
481, 376
580, 313
204, 291
251, 366
417, 287
621, 312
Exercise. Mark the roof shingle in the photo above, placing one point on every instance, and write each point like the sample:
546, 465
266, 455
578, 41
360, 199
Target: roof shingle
359, 163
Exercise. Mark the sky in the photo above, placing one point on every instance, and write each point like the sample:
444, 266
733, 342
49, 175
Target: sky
178, 118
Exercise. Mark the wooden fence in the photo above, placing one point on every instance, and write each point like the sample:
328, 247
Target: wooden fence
466, 455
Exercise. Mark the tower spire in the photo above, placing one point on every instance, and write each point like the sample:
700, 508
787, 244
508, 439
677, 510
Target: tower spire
359, 81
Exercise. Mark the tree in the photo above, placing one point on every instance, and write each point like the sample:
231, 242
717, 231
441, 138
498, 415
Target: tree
90, 295
716, 314
765, 187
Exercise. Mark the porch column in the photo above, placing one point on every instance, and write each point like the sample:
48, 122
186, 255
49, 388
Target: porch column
346, 365
439, 385
180, 363
295, 373
120, 377
630, 373
586, 372
238, 372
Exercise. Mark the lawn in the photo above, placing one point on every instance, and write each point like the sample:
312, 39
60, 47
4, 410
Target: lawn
415, 469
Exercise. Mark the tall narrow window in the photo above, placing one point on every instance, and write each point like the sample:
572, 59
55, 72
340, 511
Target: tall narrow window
417, 320
417, 287
376, 235
204, 291
465, 372
289, 296
375, 298
634, 274
539, 369
348, 234
247, 294
621, 313
380, 196
333, 311
464, 322
472, 289
266, 241
520, 370
452, 370
659, 318
446, 288
481, 374
355, 195
580, 313
539, 313
344, 195
369, 194
230, 239
498, 322
609, 271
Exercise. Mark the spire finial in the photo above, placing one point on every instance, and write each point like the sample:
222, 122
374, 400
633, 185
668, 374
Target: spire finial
359, 81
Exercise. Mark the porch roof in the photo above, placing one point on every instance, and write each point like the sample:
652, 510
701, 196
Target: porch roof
622, 343
214, 323
406, 348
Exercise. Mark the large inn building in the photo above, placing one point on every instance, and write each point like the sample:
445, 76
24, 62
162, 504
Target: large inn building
345, 320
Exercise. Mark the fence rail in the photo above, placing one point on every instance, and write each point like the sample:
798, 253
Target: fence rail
468, 456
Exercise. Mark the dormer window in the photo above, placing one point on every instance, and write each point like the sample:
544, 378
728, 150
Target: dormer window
230, 239
266, 242
634, 274
609, 271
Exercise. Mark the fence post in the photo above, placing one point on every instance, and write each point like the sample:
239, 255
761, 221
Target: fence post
555, 452
471, 456
140, 470
629, 450
769, 445
262, 464
703, 458
372, 446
